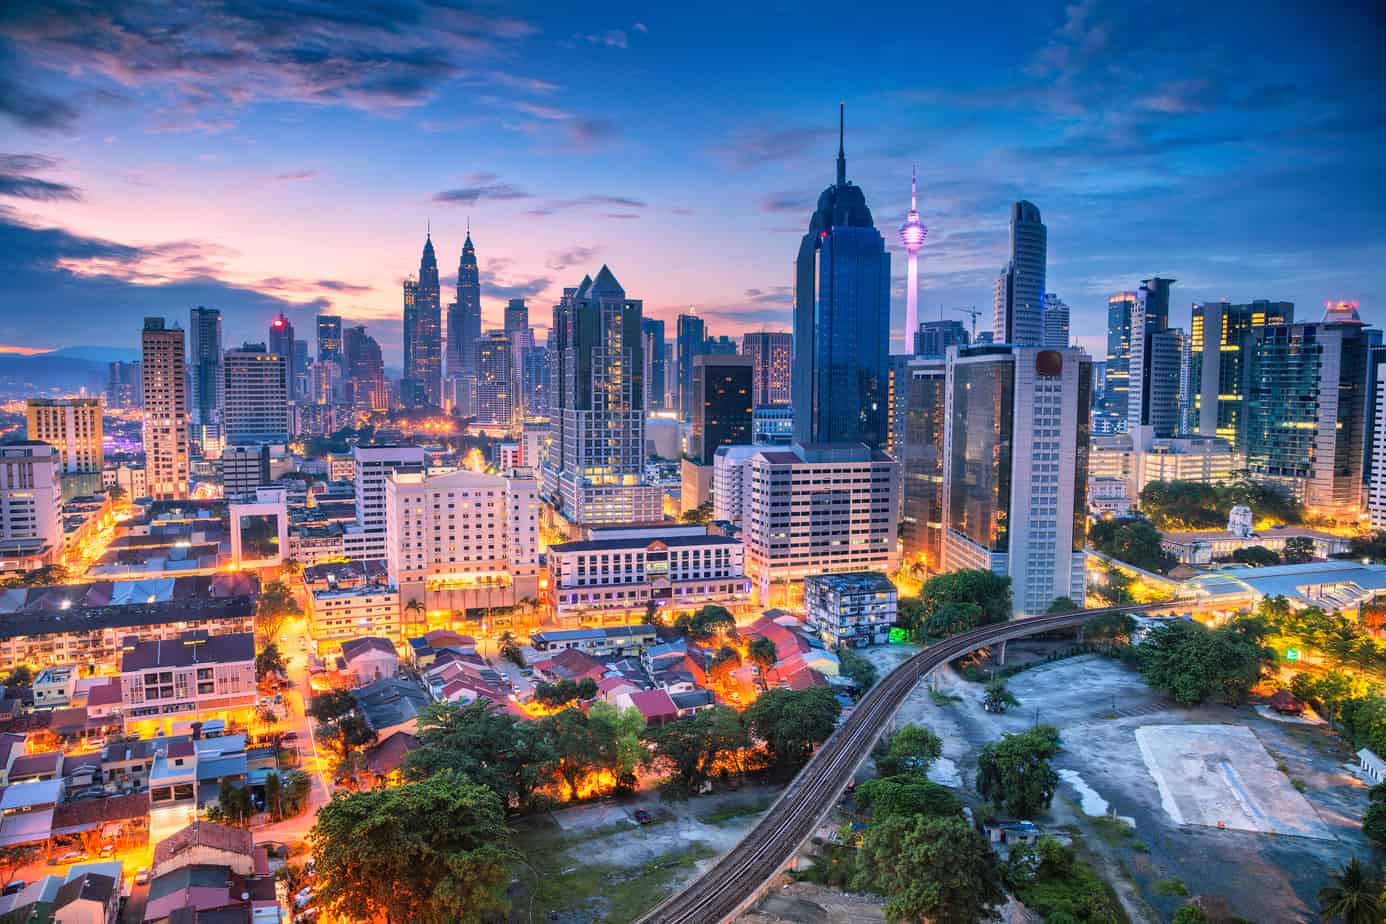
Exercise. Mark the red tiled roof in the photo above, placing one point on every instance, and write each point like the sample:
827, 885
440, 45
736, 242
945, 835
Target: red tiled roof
31, 764
205, 834
654, 705
388, 756
89, 813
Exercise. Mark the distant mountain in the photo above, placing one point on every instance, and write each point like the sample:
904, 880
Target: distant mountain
24, 376
98, 354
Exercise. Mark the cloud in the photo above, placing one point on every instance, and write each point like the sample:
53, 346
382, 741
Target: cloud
580, 130
296, 175
470, 195
496, 287
790, 201
612, 38
563, 205
573, 256
28, 107
16, 183
760, 146
640, 27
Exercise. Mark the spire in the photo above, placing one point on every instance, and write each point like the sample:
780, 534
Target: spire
841, 137
914, 206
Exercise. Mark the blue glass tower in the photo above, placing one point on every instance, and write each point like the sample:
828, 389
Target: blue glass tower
841, 321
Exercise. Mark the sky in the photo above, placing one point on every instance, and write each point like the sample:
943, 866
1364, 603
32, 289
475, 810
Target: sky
287, 155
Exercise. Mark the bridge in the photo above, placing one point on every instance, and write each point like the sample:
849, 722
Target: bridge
735, 881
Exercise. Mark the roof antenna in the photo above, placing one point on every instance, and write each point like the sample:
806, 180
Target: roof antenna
841, 135
428, 228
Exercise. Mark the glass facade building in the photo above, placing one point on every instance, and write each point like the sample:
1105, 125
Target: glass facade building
1221, 336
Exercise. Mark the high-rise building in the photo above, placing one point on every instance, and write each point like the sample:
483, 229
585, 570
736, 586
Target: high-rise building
719, 346
1220, 341
1376, 478
933, 338
329, 338
1055, 318
1019, 301
1116, 392
464, 314
841, 320
1015, 469
596, 463
534, 383
912, 235
423, 335
919, 388
124, 385
772, 353
72, 426
1305, 407
165, 389
365, 369
692, 341
302, 370
495, 375
31, 523
516, 316
257, 397
281, 344
204, 366
722, 411
1157, 351
652, 330
245, 468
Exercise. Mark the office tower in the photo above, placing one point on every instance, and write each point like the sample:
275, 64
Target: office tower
204, 366
165, 392
516, 316
281, 344
1305, 406
692, 341
802, 504
124, 385
1116, 395
365, 370
464, 314
933, 338
596, 463
534, 383
652, 330
1376, 478
298, 385
1019, 297
423, 335
1219, 344
495, 374
329, 338
1055, 319
841, 320
31, 523
373, 465
912, 234
72, 426
719, 346
772, 354
1156, 361
722, 412
1376, 355
919, 385
257, 397
1015, 469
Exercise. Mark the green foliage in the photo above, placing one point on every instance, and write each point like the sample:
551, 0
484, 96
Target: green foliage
346, 734
907, 795
989, 592
21, 676
330, 706
1062, 605
1352, 895
1258, 556
275, 605
1193, 663
910, 615
861, 671
1133, 541
268, 661
1372, 547
1014, 773
1113, 627
616, 733
47, 576
1052, 882
509, 756
688, 750
564, 692
791, 722
1299, 549
1189, 914
997, 697
1374, 824
912, 749
1177, 505
233, 804
762, 651
722, 662
701, 514
709, 622
510, 649
930, 869
432, 852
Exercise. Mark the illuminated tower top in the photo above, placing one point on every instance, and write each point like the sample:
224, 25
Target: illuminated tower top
913, 232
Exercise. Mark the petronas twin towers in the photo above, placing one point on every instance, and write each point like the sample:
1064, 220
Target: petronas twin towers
423, 383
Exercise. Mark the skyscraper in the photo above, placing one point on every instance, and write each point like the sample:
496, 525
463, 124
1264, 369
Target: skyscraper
772, 353
423, 335
1019, 301
1056, 335
495, 375
204, 364
165, 390
933, 338
594, 472
912, 234
841, 320
1116, 392
124, 385
298, 385
722, 412
1221, 336
329, 338
365, 370
692, 341
1156, 360
652, 330
919, 383
257, 397
1015, 469
72, 426
464, 315
281, 343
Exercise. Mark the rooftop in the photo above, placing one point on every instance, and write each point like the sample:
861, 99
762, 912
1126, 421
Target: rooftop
854, 582
188, 649
571, 635
671, 542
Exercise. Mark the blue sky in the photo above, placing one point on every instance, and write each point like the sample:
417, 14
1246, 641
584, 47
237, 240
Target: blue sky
265, 156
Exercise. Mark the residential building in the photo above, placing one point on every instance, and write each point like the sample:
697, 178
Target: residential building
850, 610
772, 356
603, 641
423, 335
1112, 414
53, 687
731, 483
594, 472
195, 676
31, 524
1019, 295
463, 540
72, 426
1015, 469
370, 658
165, 399
819, 510
656, 362
1055, 318
343, 613
615, 580
373, 465
495, 382
256, 396
244, 469
692, 342
1306, 407
841, 320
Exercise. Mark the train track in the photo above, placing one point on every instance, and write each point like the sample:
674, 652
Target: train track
735, 880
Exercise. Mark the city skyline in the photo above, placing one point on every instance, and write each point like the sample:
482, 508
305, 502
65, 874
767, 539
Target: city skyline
132, 187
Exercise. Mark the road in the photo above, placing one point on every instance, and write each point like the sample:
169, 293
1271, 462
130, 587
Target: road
737, 878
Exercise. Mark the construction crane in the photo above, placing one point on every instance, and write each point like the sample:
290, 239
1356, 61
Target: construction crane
971, 311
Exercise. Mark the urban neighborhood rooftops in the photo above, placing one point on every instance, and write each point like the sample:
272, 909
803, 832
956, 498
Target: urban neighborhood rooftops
188, 649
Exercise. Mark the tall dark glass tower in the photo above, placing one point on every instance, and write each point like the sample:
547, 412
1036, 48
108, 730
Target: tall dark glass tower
464, 315
423, 334
204, 364
842, 320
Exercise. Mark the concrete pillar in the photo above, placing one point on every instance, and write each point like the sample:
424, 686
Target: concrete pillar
1003, 653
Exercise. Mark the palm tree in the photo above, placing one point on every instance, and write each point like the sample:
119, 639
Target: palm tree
413, 611
1353, 895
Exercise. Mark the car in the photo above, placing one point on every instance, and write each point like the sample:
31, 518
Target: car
643, 817
12, 887
72, 856
142, 876
107, 849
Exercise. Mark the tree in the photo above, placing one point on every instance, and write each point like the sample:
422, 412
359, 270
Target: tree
910, 615
938, 870
761, 652
689, 749
1014, 773
651, 617
330, 706
233, 804
1052, 882
1374, 823
722, 663
1193, 663
908, 795
1181, 505
791, 722
1257, 556
952, 617
276, 605
414, 611
347, 735
616, 735
510, 757
1299, 549
290, 568
1352, 895
564, 692
1062, 605
510, 649
433, 852
710, 622
990, 592
701, 514
268, 661
1133, 541
573, 742
997, 697
860, 671
15, 858
912, 749
1113, 627
21, 676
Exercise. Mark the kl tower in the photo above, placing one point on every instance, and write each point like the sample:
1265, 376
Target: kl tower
912, 234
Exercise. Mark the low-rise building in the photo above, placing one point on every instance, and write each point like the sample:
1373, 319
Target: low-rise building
599, 642
53, 686
1202, 548
370, 659
348, 612
194, 677
850, 610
